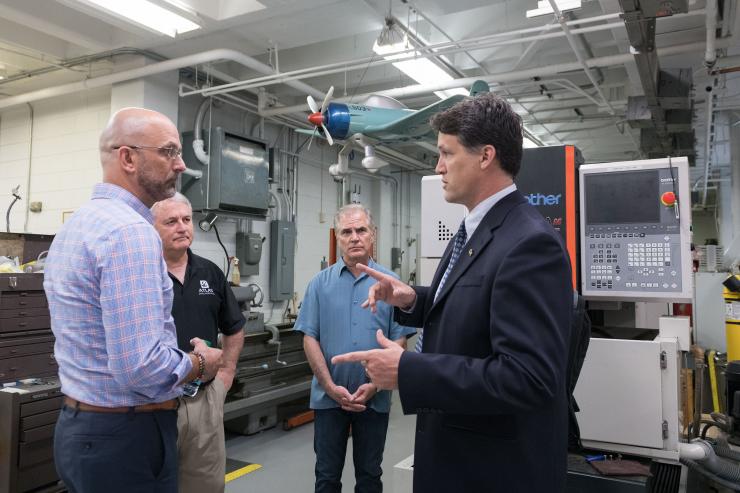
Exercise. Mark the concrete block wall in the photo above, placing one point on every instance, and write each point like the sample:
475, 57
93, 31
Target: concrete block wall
60, 148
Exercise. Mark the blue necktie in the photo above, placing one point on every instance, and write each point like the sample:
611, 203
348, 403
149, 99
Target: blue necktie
460, 238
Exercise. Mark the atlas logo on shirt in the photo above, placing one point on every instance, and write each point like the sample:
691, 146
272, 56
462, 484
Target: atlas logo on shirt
204, 289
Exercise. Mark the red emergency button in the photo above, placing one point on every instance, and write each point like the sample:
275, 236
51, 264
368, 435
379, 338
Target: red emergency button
668, 199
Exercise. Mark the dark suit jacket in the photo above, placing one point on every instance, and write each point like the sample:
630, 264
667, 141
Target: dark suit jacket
489, 388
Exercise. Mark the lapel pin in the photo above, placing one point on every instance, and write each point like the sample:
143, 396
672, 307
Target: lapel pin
470, 252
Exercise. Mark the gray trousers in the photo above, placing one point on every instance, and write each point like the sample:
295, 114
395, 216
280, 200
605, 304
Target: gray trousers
200, 442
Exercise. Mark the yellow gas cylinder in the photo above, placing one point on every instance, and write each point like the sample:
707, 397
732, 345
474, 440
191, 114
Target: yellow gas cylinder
731, 294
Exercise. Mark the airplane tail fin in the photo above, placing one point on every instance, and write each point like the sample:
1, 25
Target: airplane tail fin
479, 87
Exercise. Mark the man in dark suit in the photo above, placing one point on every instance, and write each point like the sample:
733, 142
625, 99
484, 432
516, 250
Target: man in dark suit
488, 387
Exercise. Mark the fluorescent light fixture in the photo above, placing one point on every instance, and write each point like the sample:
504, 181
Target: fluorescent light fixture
147, 14
422, 70
3, 71
544, 7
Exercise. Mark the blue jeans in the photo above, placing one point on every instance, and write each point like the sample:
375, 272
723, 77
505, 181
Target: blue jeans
331, 430
112, 453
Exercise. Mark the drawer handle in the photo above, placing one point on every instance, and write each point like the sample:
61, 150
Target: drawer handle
23, 294
22, 303
22, 324
22, 314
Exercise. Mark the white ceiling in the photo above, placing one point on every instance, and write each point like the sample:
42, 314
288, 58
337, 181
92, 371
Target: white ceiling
36, 34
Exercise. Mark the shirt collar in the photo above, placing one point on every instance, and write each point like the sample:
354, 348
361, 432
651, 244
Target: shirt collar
475, 217
341, 266
111, 191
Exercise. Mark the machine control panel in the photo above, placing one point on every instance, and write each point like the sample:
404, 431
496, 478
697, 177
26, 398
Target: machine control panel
635, 230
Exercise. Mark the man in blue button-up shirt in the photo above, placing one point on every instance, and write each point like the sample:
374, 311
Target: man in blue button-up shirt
110, 300
334, 322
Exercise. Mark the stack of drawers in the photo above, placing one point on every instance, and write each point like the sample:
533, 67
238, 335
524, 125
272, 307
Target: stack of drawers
26, 341
28, 412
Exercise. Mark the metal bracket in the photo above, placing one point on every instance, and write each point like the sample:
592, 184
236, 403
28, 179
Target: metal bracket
664, 427
663, 360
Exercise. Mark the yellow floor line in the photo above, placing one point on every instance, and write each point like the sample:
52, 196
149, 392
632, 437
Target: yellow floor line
241, 472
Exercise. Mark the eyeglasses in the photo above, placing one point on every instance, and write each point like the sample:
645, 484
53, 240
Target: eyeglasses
171, 153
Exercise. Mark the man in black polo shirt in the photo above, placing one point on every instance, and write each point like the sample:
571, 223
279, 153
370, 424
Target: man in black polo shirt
203, 305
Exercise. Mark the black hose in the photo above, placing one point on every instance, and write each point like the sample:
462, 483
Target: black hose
706, 472
7, 214
228, 261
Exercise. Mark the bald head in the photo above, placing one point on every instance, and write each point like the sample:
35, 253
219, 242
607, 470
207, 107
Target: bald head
134, 150
130, 126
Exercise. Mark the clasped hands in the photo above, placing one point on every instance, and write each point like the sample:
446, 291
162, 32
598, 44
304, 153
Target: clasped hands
381, 365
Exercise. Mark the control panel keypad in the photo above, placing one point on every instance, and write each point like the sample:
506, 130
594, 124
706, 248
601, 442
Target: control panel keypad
618, 261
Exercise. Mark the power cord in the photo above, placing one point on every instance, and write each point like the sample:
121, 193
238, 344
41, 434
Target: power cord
228, 260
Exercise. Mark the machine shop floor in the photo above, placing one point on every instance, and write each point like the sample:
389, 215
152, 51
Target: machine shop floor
287, 458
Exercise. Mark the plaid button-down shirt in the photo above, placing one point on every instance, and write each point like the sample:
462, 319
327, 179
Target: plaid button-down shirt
110, 300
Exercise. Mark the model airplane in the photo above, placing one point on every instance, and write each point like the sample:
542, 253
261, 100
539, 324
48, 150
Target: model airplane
379, 119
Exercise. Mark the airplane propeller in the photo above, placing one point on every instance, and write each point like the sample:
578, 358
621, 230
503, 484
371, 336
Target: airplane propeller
317, 115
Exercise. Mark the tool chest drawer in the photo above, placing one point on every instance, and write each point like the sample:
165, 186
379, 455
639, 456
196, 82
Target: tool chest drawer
21, 282
25, 299
24, 323
12, 369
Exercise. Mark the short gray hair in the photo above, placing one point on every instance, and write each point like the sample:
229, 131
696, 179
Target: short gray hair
178, 197
349, 209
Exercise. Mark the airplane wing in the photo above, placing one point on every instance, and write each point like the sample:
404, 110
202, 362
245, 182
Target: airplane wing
413, 127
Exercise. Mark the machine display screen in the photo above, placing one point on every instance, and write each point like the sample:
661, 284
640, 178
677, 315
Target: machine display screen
628, 197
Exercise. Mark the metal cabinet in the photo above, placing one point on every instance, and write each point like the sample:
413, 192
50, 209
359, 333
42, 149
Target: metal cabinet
26, 341
29, 413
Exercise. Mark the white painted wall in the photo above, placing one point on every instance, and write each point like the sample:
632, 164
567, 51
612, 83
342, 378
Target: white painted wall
61, 151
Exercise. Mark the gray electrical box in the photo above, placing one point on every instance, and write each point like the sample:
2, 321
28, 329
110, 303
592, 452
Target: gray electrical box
282, 259
396, 257
249, 253
236, 177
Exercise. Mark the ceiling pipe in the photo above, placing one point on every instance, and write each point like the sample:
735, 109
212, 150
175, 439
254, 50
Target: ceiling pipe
433, 50
198, 144
416, 89
485, 71
708, 144
82, 60
574, 46
429, 51
155, 68
710, 56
